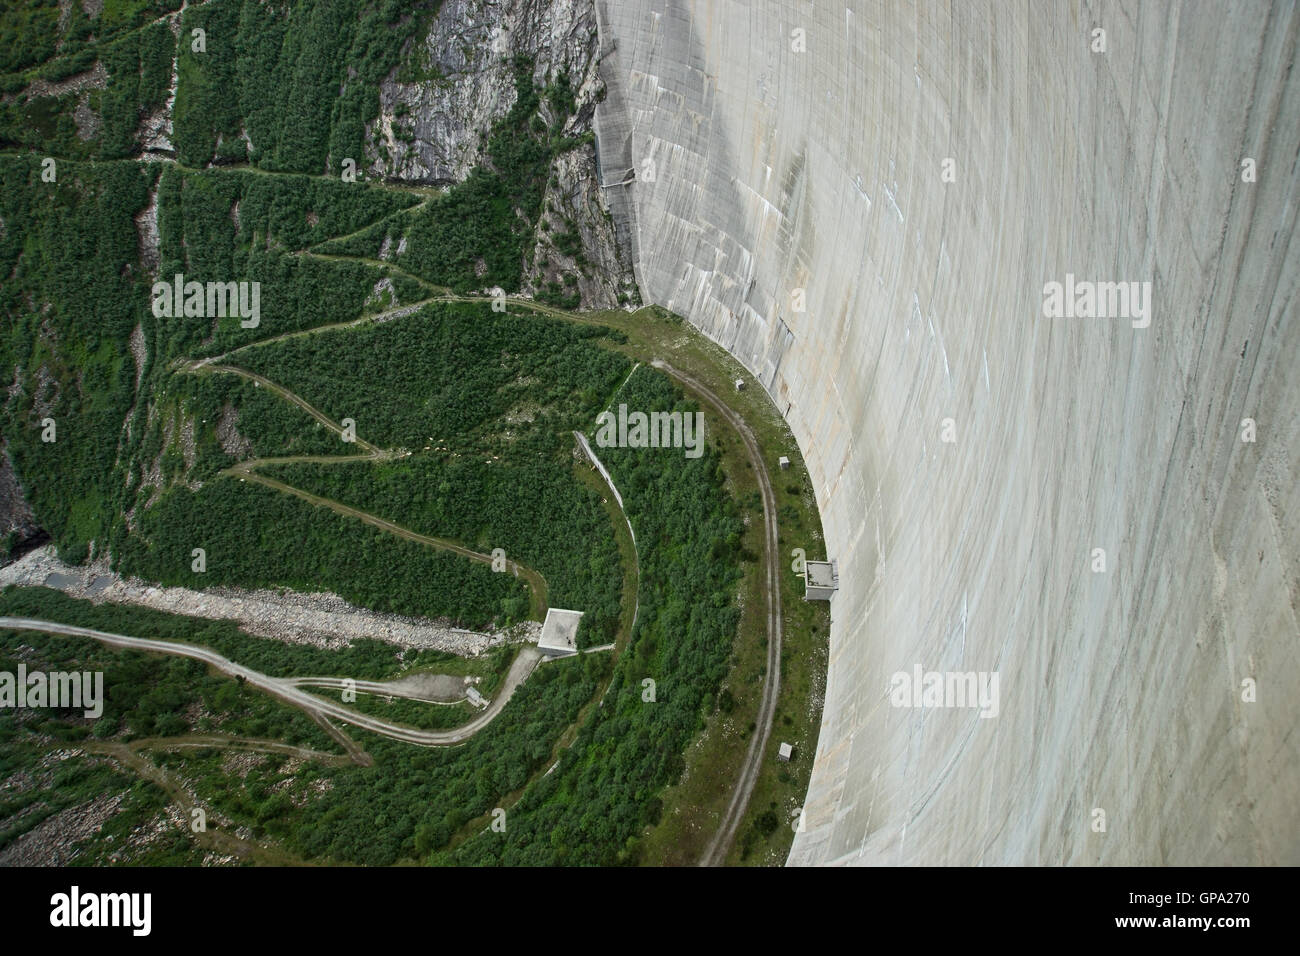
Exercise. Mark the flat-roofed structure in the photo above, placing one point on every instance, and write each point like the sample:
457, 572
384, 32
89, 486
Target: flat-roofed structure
821, 580
559, 633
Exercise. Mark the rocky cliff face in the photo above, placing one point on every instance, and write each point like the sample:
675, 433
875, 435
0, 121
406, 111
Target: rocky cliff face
455, 83
437, 109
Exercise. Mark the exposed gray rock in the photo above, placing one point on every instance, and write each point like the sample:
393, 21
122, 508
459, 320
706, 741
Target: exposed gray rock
231, 441
437, 110
146, 228
321, 619
574, 202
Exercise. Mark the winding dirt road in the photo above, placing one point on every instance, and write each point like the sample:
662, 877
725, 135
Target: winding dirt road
287, 690
715, 854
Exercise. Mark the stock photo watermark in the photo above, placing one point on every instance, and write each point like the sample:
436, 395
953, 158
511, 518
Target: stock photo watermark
212, 300
946, 689
653, 430
1086, 299
64, 690
77, 909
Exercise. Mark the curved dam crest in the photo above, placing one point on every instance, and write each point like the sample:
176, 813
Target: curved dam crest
918, 174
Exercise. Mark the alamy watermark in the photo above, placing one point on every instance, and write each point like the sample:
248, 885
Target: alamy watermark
655, 430
75, 908
1085, 299
60, 689
213, 300
946, 689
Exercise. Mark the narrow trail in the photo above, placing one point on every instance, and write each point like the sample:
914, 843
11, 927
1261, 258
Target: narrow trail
375, 318
233, 167
374, 264
372, 451
407, 211
356, 753
243, 744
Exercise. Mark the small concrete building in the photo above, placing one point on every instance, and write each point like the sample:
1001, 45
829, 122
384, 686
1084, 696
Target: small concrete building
740, 384
559, 633
475, 698
784, 463
785, 752
821, 580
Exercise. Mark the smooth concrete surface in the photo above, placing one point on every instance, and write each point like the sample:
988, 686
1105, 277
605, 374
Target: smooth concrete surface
822, 170
559, 632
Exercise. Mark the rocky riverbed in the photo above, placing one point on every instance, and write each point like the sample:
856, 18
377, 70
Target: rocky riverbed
321, 619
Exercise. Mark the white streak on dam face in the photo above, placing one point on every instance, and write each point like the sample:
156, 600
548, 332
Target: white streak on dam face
1119, 689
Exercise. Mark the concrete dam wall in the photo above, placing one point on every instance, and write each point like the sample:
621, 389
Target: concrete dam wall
917, 173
